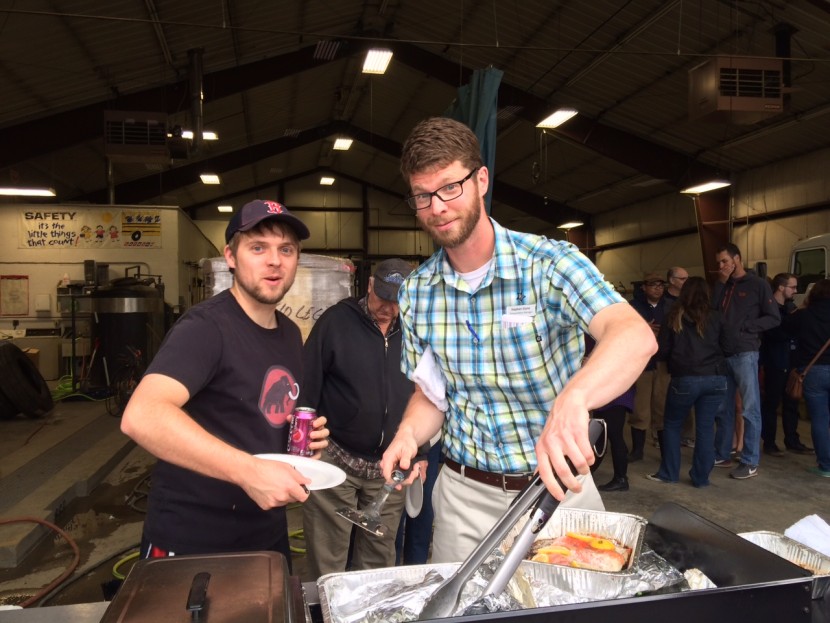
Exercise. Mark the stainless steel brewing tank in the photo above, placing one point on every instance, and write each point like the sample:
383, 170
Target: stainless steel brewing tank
128, 325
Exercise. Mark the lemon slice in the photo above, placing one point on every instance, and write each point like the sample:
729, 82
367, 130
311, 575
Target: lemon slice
555, 549
580, 537
599, 543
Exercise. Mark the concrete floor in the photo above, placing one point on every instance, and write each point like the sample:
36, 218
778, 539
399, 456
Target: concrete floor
74, 468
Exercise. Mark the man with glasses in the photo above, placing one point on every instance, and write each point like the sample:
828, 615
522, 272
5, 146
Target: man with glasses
676, 276
650, 389
493, 328
776, 347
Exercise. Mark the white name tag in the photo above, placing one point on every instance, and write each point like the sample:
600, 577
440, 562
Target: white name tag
518, 315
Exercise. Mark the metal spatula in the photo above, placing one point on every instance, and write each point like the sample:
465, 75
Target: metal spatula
369, 518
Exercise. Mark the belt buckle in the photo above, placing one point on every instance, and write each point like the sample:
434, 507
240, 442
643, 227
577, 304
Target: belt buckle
504, 483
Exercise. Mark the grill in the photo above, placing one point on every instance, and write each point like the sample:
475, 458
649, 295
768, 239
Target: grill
753, 583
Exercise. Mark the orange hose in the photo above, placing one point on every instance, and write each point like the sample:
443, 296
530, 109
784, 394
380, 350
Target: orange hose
66, 573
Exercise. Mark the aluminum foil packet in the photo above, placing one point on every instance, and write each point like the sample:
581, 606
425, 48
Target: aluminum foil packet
790, 549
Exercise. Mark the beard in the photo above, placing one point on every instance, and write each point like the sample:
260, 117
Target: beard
264, 294
465, 222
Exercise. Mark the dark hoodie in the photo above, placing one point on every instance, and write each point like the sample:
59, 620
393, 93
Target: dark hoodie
748, 310
811, 327
352, 375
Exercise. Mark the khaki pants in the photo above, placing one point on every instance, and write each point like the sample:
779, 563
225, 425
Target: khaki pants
466, 510
327, 534
650, 399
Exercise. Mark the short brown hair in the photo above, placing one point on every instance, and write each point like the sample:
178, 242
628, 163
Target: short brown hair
436, 143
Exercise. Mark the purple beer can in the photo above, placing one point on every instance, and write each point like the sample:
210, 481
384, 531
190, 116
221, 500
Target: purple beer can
298, 437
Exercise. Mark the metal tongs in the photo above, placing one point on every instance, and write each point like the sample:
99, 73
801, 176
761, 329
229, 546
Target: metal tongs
443, 602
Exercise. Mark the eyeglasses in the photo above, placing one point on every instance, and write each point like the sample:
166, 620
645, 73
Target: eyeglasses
680, 278
451, 191
655, 284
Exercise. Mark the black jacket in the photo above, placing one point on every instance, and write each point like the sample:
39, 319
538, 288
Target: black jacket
811, 327
748, 310
352, 375
689, 354
653, 314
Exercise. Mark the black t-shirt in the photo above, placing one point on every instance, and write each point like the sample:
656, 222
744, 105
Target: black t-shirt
243, 381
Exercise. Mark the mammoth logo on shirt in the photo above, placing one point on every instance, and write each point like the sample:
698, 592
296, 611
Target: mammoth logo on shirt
279, 395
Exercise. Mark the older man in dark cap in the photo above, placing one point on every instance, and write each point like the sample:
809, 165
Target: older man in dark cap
352, 364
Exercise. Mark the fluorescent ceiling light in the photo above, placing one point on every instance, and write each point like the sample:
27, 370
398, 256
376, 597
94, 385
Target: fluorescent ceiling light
326, 181
706, 187
206, 135
570, 225
225, 208
342, 144
557, 118
209, 178
27, 192
377, 61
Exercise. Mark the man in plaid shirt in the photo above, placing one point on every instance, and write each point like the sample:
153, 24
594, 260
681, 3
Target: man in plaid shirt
492, 336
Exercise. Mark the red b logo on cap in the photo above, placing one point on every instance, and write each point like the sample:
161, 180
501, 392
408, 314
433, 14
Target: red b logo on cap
274, 207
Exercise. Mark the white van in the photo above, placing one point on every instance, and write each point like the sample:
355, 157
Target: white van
809, 261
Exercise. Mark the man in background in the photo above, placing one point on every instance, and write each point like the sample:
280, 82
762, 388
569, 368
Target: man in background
746, 302
776, 347
652, 384
352, 365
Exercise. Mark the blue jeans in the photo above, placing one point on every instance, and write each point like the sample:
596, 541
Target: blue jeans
817, 397
743, 377
706, 394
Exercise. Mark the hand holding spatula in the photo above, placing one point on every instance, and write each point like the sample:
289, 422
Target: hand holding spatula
369, 518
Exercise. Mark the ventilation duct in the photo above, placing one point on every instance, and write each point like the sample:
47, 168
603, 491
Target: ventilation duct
736, 89
135, 136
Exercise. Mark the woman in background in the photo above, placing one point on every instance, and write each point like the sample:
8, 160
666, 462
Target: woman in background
691, 342
615, 414
810, 325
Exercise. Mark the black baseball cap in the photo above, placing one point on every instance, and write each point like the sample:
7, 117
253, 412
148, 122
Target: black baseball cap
256, 211
389, 276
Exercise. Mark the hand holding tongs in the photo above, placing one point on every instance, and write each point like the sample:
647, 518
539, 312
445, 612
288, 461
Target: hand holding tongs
443, 602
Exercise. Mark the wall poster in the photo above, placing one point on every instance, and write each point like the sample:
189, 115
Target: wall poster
89, 228
14, 295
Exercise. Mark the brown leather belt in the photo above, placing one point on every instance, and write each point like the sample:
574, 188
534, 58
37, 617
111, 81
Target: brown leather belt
506, 482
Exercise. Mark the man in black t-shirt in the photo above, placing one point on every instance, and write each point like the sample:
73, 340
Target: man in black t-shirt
220, 390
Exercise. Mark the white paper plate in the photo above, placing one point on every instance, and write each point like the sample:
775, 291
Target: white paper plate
414, 498
322, 475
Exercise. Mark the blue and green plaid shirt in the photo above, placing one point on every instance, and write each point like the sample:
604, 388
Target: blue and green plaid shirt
502, 373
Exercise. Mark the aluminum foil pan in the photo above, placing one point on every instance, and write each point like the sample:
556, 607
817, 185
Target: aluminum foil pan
791, 550
343, 595
629, 530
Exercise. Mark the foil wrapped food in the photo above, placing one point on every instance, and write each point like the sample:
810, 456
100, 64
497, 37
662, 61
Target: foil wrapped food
789, 549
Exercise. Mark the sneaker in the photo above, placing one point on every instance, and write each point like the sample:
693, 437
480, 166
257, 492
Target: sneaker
724, 463
657, 478
744, 471
773, 451
819, 472
687, 442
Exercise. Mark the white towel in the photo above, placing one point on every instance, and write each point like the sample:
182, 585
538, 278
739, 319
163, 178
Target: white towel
431, 380
811, 531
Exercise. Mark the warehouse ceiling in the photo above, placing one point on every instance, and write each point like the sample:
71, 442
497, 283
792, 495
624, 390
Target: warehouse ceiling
281, 80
